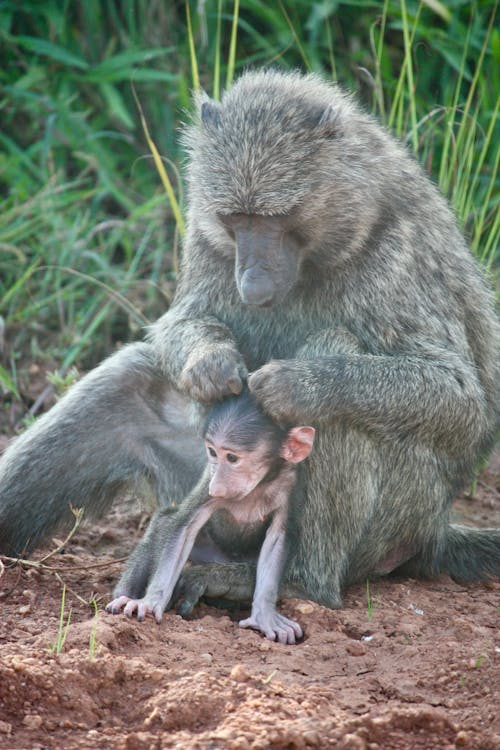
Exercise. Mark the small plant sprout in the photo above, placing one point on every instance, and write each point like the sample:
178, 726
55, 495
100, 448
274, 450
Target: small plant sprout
93, 632
64, 622
369, 602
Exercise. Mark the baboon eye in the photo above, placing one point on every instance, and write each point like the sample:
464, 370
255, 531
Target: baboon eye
229, 231
232, 458
212, 452
227, 224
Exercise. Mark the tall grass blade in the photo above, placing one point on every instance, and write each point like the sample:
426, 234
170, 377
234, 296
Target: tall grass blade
174, 205
192, 52
408, 64
232, 44
295, 36
216, 90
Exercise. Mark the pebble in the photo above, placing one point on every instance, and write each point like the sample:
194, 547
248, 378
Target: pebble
206, 658
240, 743
305, 608
409, 628
138, 741
32, 721
352, 742
5, 727
461, 738
355, 648
239, 673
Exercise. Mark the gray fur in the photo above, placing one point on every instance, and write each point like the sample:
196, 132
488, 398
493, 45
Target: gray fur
111, 429
384, 340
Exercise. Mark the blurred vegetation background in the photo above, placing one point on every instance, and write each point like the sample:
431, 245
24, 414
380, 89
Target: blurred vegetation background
89, 243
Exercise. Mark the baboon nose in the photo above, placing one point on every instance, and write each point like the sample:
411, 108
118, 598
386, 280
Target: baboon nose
218, 492
256, 291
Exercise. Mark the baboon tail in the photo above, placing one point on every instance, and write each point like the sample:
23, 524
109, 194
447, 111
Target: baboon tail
471, 554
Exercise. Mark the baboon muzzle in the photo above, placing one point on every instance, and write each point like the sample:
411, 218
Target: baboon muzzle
265, 267
256, 288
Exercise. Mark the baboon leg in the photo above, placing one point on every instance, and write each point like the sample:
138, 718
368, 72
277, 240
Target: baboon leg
120, 423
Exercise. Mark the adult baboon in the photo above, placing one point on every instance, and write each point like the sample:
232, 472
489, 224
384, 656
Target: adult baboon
320, 259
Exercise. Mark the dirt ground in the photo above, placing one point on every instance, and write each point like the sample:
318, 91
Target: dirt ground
417, 667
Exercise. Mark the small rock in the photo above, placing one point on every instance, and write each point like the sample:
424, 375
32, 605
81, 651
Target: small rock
409, 628
239, 673
305, 608
206, 658
355, 648
311, 738
25, 609
5, 727
240, 743
461, 739
138, 741
352, 742
32, 721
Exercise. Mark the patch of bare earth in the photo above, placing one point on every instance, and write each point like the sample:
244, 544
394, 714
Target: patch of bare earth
418, 669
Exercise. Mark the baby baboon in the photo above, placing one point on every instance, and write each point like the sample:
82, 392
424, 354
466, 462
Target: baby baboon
322, 260
251, 473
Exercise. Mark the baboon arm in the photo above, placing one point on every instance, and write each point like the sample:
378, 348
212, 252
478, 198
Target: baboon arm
176, 550
271, 562
174, 537
198, 351
264, 616
437, 399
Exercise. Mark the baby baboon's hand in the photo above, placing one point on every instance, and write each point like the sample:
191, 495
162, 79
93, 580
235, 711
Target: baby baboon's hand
273, 625
274, 386
213, 373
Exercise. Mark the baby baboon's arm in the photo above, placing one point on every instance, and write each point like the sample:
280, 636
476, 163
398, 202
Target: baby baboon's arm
175, 535
272, 558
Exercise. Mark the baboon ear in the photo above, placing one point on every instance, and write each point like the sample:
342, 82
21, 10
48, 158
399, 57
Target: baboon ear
211, 113
298, 444
328, 123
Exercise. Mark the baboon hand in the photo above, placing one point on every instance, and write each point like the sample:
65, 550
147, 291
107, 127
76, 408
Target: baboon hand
213, 374
140, 607
273, 625
273, 385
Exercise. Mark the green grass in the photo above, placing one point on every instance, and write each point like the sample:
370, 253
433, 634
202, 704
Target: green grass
93, 645
92, 94
369, 601
64, 623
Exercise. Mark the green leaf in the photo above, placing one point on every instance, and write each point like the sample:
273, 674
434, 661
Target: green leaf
116, 104
439, 9
53, 51
122, 66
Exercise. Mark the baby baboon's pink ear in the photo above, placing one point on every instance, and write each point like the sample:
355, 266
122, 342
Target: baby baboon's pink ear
298, 444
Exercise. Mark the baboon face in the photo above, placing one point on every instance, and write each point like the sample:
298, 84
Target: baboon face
256, 161
268, 255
